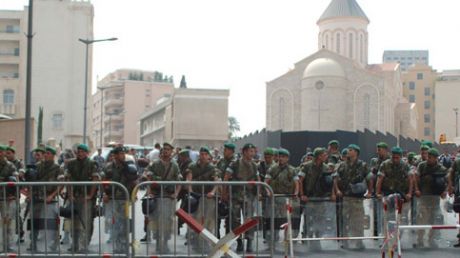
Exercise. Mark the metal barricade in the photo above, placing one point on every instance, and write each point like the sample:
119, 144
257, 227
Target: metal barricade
45, 214
198, 239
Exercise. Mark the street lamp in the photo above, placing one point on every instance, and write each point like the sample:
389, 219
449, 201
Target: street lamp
456, 121
88, 42
101, 120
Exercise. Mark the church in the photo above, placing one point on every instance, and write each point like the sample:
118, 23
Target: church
335, 88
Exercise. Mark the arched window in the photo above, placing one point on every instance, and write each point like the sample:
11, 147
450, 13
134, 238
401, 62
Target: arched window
282, 110
366, 111
350, 45
8, 96
327, 41
337, 43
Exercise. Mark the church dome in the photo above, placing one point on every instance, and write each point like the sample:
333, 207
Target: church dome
343, 8
323, 67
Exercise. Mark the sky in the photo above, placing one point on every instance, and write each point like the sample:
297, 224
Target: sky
242, 44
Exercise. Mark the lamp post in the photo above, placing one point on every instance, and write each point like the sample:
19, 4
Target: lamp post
88, 42
456, 121
101, 121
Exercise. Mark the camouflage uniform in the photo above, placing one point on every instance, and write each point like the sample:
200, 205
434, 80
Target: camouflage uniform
8, 208
352, 214
82, 223
46, 215
428, 210
162, 216
282, 180
334, 157
455, 175
223, 164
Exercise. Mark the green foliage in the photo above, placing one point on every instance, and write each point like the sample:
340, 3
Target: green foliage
40, 126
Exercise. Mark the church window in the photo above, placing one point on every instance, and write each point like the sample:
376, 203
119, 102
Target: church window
337, 43
367, 111
282, 103
350, 45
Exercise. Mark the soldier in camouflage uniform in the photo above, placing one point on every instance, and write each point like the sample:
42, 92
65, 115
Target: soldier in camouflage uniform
184, 162
423, 155
119, 171
394, 177
45, 202
243, 198
429, 185
8, 206
222, 165
82, 198
382, 155
164, 169
265, 164
284, 180
312, 177
352, 182
204, 170
453, 185
333, 152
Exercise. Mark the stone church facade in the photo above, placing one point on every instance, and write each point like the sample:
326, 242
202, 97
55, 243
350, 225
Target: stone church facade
335, 88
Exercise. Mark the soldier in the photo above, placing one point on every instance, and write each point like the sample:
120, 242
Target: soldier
222, 165
8, 206
265, 164
284, 180
313, 184
429, 185
82, 199
382, 155
453, 186
164, 169
184, 162
243, 198
333, 152
126, 174
45, 201
204, 170
411, 158
423, 155
394, 178
352, 182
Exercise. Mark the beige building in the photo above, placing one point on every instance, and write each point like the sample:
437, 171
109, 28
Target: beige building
194, 117
335, 88
127, 93
58, 65
447, 92
418, 87
13, 25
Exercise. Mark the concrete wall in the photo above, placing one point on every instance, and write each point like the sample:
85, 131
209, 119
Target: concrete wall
447, 93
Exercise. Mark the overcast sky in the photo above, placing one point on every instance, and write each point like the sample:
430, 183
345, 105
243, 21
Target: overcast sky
241, 44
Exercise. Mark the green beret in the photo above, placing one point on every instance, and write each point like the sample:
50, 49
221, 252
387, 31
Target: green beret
433, 152
275, 151
167, 144
184, 152
51, 149
3, 147
354, 147
427, 143
269, 151
382, 145
83, 147
248, 146
411, 155
39, 149
309, 154
118, 149
318, 151
424, 147
334, 142
205, 149
10, 148
283, 152
397, 150
230, 145
344, 152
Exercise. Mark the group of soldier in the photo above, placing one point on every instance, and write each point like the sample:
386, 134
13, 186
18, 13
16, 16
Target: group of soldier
326, 174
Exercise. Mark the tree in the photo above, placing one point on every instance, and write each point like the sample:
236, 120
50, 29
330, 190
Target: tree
183, 83
40, 126
233, 127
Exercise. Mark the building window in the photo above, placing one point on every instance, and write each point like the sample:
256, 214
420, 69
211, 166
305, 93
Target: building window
8, 97
427, 118
337, 43
427, 131
57, 120
427, 104
412, 98
411, 85
350, 47
427, 91
419, 76
367, 111
282, 109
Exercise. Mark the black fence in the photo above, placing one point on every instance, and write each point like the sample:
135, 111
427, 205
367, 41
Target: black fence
297, 142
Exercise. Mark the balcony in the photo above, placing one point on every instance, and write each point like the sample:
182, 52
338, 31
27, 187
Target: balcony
113, 133
9, 58
113, 118
10, 35
8, 82
8, 109
113, 102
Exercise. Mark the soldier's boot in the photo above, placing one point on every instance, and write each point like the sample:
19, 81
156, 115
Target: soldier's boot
249, 246
239, 246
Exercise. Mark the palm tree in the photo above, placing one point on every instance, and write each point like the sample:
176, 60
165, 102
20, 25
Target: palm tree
233, 127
